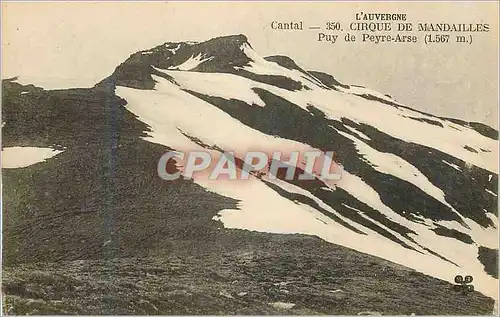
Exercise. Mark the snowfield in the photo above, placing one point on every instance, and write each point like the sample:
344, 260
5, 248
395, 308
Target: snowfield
174, 114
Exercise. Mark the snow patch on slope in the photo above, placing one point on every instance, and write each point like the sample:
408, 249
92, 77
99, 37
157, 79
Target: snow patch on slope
337, 105
227, 86
192, 62
455, 166
174, 48
17, 157
169, 110
274, 213
490, 192
360, 134
391, 164
358, 90
261, 66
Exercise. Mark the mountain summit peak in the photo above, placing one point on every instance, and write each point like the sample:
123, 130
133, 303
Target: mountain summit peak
236, 38
220, 54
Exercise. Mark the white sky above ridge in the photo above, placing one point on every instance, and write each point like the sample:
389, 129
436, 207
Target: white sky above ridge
80, 43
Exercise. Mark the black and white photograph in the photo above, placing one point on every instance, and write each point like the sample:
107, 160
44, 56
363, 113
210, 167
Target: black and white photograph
249, 158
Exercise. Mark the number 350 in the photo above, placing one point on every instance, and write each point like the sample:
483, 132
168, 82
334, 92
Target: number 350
333, 26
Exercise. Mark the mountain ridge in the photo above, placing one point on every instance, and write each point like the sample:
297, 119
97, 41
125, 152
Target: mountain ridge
282, 60
419, 200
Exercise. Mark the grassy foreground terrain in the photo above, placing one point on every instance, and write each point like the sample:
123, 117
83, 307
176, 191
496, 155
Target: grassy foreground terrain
274, 274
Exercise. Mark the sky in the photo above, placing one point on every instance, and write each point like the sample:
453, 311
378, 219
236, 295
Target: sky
76, 44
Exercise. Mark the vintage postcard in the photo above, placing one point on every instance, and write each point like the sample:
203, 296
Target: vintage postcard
250, 158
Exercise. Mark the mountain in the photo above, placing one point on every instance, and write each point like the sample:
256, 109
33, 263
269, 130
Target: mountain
416, 205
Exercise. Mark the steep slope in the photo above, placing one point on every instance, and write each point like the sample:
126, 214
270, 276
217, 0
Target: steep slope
94, 230
418, 190
424, 186
90, 200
